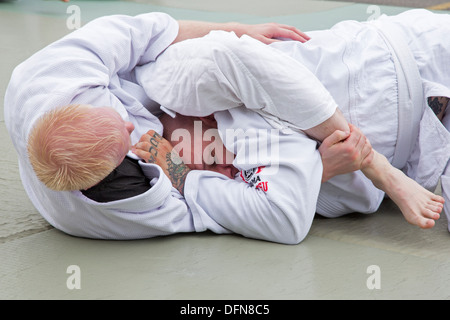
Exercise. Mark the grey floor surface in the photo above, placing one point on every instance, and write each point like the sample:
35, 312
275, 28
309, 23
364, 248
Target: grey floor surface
341, 259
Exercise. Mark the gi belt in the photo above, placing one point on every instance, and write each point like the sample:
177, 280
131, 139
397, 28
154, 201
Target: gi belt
410, 91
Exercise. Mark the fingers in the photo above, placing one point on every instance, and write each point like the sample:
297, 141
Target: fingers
335, 137
355, 137
359, 148
142, 145
300, 34
150, 146
142, 154
367, 155
367, 149
360, 142
143, 150
285, 31
272, 32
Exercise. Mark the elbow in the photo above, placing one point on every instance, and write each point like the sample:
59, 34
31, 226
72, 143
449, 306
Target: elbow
289, 237
295, 236
300, 219
294, 224
283, 232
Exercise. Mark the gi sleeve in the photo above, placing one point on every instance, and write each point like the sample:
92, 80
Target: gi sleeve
87, 66
160, 211
92, 66
274, 201
221, 71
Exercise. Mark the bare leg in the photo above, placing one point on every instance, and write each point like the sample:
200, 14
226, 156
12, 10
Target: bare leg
418, 205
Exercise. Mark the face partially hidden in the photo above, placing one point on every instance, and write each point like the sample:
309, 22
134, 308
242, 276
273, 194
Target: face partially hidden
195, 139
198, 143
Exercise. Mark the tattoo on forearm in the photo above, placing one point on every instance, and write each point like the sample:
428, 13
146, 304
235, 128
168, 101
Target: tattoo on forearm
169, 160
177, 171
437, 104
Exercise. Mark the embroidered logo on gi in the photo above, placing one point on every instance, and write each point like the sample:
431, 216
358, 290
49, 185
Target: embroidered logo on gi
253, 178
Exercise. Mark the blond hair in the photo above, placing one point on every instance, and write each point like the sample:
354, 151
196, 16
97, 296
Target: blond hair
75, 147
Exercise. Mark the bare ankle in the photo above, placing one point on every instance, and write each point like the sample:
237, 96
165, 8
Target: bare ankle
380, 172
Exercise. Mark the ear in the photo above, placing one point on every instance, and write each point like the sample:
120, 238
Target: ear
209, 121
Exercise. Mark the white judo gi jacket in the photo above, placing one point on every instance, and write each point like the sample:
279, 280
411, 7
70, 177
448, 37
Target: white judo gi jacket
104, 74
379, 81
97, 65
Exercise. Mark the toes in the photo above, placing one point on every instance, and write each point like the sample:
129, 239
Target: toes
423, 223
438, 198
427, 224
435, 207
431, 214
425, 220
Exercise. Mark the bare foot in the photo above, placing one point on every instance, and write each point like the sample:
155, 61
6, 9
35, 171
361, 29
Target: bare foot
419, 206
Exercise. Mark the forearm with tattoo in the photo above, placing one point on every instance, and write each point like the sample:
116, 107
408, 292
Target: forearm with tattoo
153, 148
176, 171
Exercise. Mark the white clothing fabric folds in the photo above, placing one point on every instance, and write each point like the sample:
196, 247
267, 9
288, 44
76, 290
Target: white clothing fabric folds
97, 65
335, 68
365, 73
224, 72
